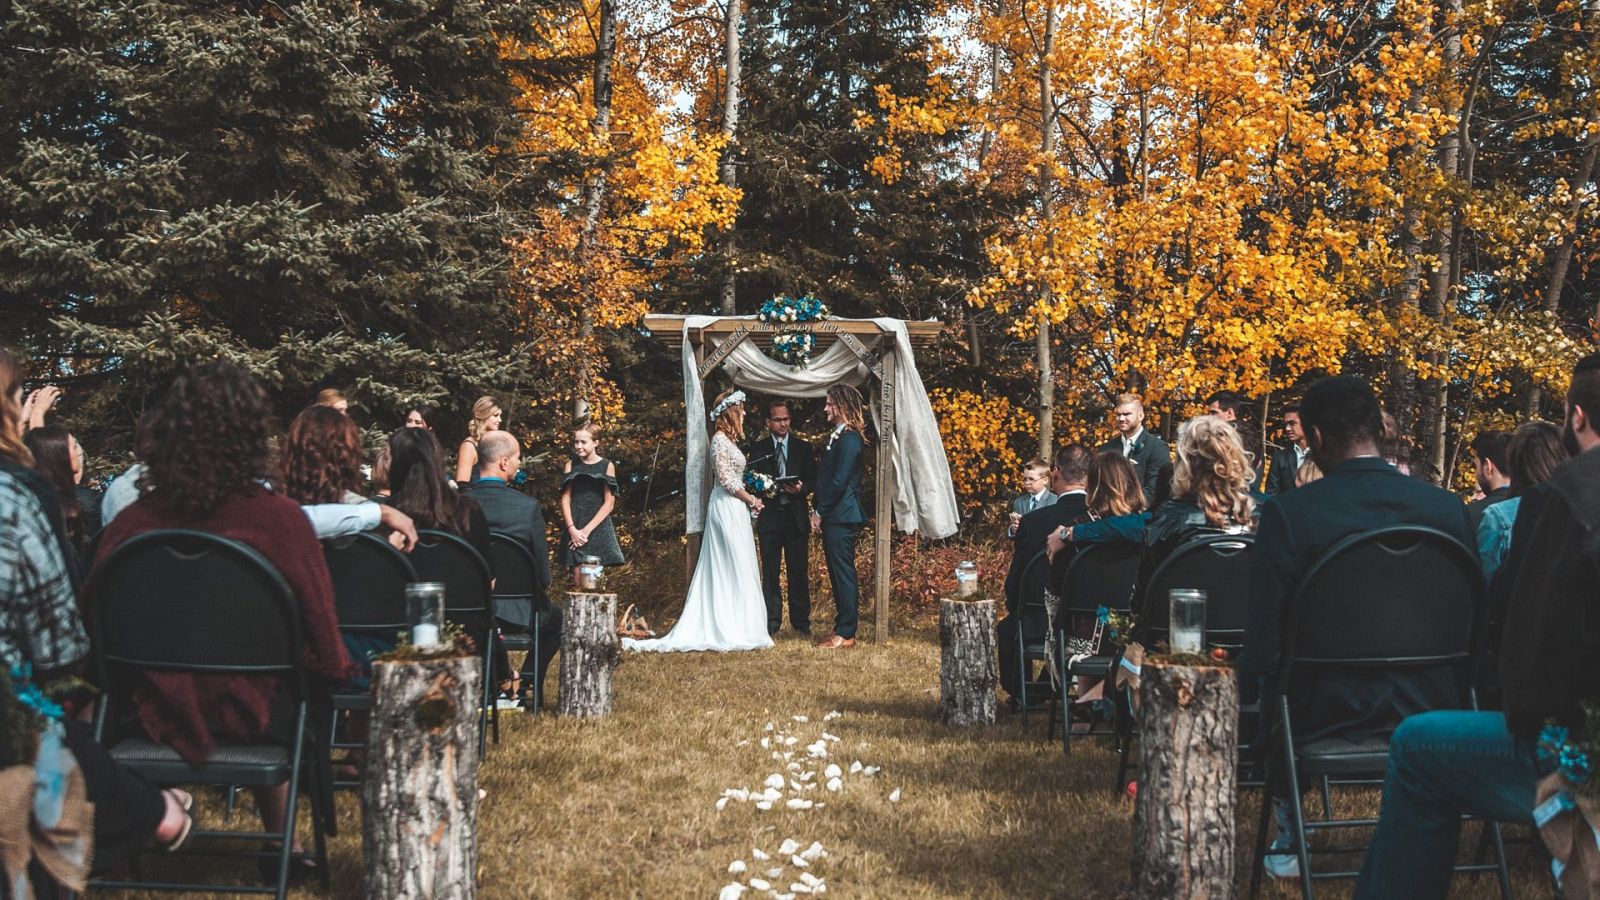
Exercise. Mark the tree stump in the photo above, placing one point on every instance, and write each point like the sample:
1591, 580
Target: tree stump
969, 670
420, 791
1188, 749
590, 651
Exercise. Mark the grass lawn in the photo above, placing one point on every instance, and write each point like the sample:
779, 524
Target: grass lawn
626, 807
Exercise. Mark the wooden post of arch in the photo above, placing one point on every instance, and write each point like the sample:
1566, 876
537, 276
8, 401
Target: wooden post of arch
883, 530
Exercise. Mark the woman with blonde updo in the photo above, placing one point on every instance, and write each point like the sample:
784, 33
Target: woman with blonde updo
486, 417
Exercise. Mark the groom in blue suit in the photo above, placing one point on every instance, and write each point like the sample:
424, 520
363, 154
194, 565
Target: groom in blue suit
836, 508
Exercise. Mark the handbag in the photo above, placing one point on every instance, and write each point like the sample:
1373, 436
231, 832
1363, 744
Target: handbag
632, 626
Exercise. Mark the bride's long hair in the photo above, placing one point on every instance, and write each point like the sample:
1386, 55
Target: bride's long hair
730, 422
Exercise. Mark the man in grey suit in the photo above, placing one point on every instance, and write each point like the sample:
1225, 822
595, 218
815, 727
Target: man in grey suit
1148, 453
513, 513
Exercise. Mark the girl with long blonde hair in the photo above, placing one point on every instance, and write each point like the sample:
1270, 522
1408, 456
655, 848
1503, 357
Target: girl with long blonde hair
486, 417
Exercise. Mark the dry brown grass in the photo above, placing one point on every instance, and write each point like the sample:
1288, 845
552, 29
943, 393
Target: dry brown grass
624, 807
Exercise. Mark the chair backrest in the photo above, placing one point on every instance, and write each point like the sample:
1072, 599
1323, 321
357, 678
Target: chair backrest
447, 558
185, 600
1403, 596
1218, 564
515, 574
369, 583
1101, 575
1030, 595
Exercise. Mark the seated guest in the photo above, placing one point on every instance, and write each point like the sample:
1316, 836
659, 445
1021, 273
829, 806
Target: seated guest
380, 475
420, 416
1069, 479
1359, 491
1309, 471
17, 459
1489, 463
332, 398
207, 469
511, 512
1116, 506
1286, 462
1446, 764
1035, 493
1532, 455
1210, 493
1147, 452
58, 458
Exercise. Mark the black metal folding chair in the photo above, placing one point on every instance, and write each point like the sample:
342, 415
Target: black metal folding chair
447, 558
520, 601
1034, 627
1100, 575
1394, 600
189, 601
369, 591
1219, 565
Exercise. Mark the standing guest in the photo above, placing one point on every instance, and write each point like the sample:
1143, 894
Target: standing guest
1359, 490
17, 459
1148, 453
588, 495
517, 515
1035, 494
58, 458
486, 417
206, 469
380, 474
783, 525
420, 416
1069, 479
1446, 764
334, 399
1534, 451
837, 512
1286, 462
1225, 405
1490, 463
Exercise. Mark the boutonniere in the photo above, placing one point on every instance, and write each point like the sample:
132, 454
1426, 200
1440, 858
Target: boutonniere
831, 438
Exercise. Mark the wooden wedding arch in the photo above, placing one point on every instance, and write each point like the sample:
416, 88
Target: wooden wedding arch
876, 349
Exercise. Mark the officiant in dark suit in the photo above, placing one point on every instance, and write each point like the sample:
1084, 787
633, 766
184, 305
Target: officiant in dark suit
784, 526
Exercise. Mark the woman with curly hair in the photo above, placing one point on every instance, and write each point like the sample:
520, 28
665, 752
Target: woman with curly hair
206, 469
486, 417
322, 457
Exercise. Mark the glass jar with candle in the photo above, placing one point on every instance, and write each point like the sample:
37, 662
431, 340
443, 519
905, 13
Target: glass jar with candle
590, 573
1187, 619
966, 578
425, 613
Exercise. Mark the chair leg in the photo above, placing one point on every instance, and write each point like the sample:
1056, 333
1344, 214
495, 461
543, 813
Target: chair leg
292, 805
487, 701
1327, 799
538, 683
1260, 856
494, 711
1501, 873
1296, 811
1022, 678
1122, 725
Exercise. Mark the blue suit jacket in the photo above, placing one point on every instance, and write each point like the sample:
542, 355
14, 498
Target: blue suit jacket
838, 496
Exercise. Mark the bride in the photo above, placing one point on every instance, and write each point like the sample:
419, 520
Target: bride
724, 609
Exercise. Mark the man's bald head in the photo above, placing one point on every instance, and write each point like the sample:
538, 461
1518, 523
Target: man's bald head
494, 448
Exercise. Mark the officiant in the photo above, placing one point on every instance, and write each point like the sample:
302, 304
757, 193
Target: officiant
784, 527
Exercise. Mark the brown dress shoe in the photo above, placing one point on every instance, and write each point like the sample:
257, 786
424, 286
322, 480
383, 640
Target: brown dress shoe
835, 642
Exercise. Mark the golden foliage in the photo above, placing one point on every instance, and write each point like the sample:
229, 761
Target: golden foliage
981, 435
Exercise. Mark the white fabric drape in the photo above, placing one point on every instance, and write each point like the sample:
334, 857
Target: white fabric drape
925, 498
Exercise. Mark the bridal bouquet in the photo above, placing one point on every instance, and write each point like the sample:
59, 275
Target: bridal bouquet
759, 484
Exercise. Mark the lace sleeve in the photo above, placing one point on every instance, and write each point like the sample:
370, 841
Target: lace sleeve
728, 462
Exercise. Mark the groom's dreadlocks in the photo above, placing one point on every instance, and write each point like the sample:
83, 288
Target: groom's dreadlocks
848, 401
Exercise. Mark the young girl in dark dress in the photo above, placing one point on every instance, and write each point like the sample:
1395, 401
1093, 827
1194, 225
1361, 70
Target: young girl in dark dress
588, 495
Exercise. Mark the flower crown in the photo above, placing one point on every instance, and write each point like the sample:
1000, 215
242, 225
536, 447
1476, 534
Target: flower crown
733, 399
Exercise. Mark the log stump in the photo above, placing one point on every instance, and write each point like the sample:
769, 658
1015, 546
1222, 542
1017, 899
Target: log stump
590, 651
420, 790
969, 670
1188, 747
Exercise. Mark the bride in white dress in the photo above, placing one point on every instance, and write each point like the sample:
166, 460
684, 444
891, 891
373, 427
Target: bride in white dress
724, 609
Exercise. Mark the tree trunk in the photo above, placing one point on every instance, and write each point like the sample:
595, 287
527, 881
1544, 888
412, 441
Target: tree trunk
594, 192
728, 172
1561, 259
590, 652
969, 670
1047, 133
1183, 818
420, 791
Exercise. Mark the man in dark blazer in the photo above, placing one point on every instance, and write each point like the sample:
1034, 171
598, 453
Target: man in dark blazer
783, 527
836, 510
1490, 453
1069, 479
511, 512
1286, 461
1148, 453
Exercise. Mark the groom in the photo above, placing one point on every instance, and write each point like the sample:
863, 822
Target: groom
836, 507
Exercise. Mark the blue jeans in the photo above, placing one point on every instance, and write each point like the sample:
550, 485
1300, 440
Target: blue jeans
1441, 765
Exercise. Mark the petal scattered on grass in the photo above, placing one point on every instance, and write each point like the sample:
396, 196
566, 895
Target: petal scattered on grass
760, 854
731, 891
834, 784
855, 767
788, 847
760, 884
737, 867
894, 796
814, 851
833, 770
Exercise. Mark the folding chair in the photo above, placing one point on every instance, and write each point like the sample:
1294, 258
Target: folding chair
1033, 628
1394, 600
1099, 575
520, 601
1218, 564
369, 592
189, 601
447, 558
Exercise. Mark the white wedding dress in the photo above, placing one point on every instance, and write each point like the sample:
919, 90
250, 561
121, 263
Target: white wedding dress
724, 609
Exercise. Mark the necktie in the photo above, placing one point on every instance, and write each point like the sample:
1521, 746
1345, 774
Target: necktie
1033, 503
783, 458
1127, 447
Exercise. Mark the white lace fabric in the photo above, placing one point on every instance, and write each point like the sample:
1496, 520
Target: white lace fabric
728, 462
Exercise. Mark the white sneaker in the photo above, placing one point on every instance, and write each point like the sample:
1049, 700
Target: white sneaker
1281, 861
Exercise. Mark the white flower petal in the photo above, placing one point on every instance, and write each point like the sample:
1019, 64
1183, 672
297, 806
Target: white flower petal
774, 780
731, 891
830, 737
809, 879
872, 770
833, 715
801, 718
760, 854
814, 851
799, 888
855, 767
764, 805
799, 862
894, 796
789, 846
833, 770
736, 867
797, 803
722, 803
775, 872
834, 784
760, 884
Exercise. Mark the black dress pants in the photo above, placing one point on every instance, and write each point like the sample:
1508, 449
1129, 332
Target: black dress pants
787, 545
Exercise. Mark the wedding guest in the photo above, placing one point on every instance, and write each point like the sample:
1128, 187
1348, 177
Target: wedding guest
1035, 493
1286, 462
1358, 491
380, 474
1148, 453
783, 527
334, 399
322, 458
1210, 493
17, 459
1116, 507
1489, 463
1447, 764
513, 513
588, 495
837, 512
420, 416
57, 456
1225, 405
486, 417
38, 404
1532, 455
207, 469
1309, 471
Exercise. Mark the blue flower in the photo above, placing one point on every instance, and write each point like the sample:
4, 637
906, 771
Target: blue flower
1102, 615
